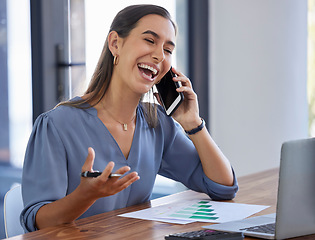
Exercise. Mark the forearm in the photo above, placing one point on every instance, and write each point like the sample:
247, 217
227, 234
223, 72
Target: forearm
64, 210
72, 206
215, 165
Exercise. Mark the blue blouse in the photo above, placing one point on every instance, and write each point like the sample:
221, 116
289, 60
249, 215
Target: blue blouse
58, 147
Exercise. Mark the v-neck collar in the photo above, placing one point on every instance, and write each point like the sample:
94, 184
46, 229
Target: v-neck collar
92, 110
135, 135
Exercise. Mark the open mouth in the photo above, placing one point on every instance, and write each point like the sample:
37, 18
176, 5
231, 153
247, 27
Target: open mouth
147, 70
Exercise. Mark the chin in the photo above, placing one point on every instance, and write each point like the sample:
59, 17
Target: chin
143, 89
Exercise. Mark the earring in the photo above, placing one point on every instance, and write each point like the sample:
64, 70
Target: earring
115, 60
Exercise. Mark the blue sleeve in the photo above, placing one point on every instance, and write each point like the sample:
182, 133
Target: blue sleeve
181, 163
44, 165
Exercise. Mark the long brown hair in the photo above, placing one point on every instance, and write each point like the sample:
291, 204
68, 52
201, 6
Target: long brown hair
123, 23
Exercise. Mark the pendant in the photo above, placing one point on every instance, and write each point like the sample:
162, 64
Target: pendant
125, 126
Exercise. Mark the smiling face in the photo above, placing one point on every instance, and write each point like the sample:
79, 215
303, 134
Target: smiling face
145, 54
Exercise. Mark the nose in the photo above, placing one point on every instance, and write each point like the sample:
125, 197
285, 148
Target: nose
158, 54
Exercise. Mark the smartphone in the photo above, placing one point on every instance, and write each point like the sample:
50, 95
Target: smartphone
170, 98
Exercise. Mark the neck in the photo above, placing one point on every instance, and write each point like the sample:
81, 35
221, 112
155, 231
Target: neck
120, 107
124, 124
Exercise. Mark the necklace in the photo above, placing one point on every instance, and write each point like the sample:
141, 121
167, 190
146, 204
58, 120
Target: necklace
124, 125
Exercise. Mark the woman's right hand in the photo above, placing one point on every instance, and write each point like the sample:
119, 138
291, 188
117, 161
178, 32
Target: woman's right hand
103, 186
72, 206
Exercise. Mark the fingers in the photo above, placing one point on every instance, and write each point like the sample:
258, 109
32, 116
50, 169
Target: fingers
186, 86
127, 180
102, 185
89, 161
111, 186
123, 170
182, 78
108, 170
189, 110
123, 182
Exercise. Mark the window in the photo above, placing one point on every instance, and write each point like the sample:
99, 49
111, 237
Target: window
311, 66
15, 81
15, 93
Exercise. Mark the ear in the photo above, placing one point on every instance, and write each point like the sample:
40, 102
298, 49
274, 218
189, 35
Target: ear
113, 42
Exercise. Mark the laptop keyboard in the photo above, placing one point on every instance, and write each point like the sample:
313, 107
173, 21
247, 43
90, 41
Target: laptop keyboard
266, 228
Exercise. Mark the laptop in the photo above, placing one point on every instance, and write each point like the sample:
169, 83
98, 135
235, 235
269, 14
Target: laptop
295, 214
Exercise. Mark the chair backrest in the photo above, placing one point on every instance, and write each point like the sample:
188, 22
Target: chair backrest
13, 206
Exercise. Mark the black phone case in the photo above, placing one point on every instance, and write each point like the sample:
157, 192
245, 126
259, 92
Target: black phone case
161, 87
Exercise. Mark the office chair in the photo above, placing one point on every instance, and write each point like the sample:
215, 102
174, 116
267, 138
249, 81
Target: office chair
13, 205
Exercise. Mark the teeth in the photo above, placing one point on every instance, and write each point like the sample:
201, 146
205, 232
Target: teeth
153, 70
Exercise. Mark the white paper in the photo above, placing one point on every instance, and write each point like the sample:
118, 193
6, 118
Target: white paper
155, 213
188, 211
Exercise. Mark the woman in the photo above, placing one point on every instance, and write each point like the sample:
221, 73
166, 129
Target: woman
117, 132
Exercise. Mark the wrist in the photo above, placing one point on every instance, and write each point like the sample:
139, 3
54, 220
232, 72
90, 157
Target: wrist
196, 129
85, 194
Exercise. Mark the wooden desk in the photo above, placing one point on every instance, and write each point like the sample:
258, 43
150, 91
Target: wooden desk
254, 189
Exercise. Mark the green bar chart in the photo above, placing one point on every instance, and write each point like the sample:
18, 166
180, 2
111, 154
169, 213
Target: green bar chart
202, 210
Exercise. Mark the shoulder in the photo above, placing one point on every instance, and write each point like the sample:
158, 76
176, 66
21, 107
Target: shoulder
64, 115
165, 123
61, 113
144, 109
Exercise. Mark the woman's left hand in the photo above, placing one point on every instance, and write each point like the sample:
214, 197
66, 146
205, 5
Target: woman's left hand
187, 114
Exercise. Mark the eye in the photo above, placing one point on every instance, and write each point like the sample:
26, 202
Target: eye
149, 40
168, 51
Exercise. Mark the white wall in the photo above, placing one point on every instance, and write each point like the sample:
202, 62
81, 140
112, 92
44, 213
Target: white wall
258, 79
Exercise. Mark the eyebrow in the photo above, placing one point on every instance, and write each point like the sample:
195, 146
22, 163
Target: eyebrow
158, 37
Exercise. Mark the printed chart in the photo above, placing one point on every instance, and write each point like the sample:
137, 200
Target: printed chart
202, 210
